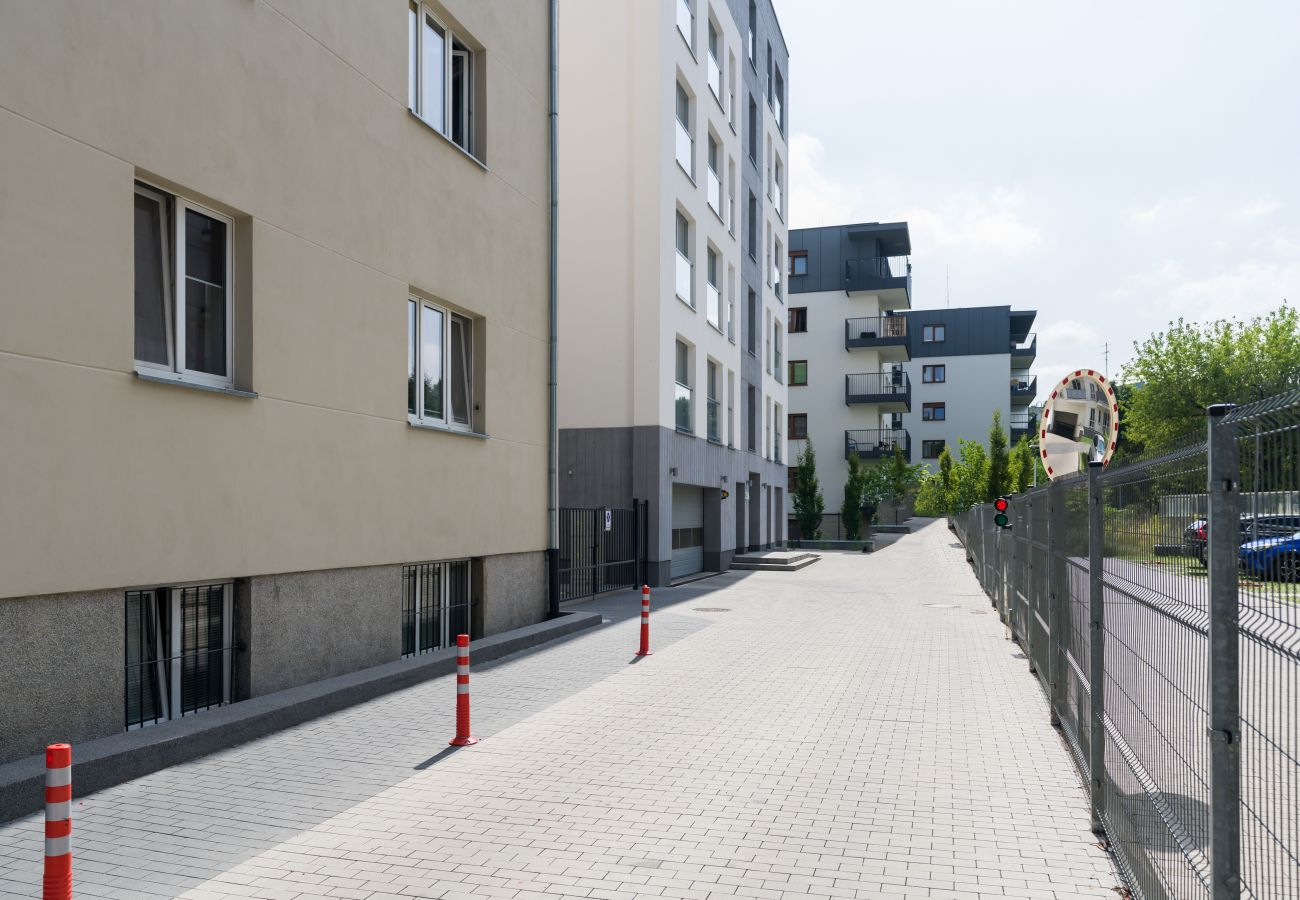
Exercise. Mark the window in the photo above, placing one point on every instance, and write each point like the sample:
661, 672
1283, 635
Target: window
713, 304
715, 177
751, 418
685, 140
778, 197
753, 130
713, 407
931, 449
778, 99
798, 426
684, 396
715, 67
731, 91
753, 226
767, 427
686, 22
798, 319
184, 306
767, 251
932, 334
778, 265
798, 262
798, 372
751, 323
436, 605
731, 409
769, 73
792, 478
777, 369
934, 374
178, 651
934, 412
753, 33
439, 360
440, 77
731, 196
685, 265
767, 343
685, 538
778, 442
731, 304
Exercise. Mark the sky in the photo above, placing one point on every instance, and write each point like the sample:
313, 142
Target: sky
1113, 165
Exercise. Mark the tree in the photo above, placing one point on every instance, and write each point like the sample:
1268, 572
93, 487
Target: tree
998, 481
969, 476
1177, 373
931, 497
807, 500
1127, 446
851, 508
945, 470
1020, 470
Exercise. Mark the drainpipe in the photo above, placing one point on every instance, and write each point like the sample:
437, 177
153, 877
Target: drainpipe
553, 433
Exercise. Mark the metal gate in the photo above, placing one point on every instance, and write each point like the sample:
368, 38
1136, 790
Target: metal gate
602, 549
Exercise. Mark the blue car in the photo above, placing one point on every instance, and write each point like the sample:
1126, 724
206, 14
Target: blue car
1277, 558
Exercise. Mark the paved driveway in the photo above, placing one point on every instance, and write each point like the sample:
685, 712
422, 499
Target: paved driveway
861, 728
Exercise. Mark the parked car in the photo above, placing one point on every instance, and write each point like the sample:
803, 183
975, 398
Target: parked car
1252, 528
1276, 558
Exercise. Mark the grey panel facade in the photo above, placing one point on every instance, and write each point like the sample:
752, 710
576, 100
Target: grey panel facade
829, 249
968, 331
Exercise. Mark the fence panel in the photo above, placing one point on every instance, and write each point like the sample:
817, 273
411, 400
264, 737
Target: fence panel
1173, 748
601, 549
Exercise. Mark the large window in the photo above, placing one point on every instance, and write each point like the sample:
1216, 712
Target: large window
934, 374
684, 395
715, 63
931, 449
753, 130
713, 305
714, 406
179, 642
184, 274
753, 226
751, 418
685, 140
439, 366
440, 77
778, 99
798, 319
798, 262
685, 272
798, 426
777, 368
731, 409
751, 323
715, 176
798, 372
753, 33
778, 442
436, 605
686, 22
934, 412
932, 334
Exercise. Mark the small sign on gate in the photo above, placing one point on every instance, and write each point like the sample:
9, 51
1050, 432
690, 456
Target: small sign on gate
609, 519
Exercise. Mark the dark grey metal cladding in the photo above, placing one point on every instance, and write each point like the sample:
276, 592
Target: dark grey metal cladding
968, 331
831, 248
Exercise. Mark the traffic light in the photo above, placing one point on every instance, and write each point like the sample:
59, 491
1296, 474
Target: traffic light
1000, 508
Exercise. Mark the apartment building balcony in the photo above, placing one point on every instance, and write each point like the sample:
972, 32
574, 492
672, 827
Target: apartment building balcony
889, 277
1024, 352
891, 391
877, 443
887, 334
1023, 423
1023, 391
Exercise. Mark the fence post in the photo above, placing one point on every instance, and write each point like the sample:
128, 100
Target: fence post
1223, 476
1058, 585
1096, 650
1025, 576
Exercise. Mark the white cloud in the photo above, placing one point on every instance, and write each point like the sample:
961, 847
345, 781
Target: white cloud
1256, 209
1170, 290
1164, 211
990, 221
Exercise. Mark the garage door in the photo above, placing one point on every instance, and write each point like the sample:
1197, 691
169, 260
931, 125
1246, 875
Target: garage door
688, 530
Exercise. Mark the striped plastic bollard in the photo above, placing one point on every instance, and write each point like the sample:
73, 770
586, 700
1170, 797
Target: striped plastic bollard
58, 822
645, 622
463, 737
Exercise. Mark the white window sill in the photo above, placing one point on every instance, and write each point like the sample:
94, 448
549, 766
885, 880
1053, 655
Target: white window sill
686, 302
718, 215
689, 176
455, 146
182, 381
446, 429
721, 106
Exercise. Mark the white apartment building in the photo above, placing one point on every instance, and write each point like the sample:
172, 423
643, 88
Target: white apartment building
849, 288
673, 155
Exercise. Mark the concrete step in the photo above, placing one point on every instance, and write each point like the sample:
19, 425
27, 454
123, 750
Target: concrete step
775, 561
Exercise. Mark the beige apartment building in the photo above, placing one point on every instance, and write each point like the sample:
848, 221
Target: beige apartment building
273, 346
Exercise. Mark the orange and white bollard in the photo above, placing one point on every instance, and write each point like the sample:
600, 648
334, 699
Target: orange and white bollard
645, 622
58, 822
463, 738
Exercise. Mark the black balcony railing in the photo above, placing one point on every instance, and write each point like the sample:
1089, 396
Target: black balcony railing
1022, 422
1025, 389
875, 332
878, 273
877, 443
885, 388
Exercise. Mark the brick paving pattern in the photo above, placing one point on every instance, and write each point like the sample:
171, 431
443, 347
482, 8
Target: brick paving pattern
861, 728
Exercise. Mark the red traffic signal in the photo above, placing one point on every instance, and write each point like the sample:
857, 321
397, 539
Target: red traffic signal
1001, 504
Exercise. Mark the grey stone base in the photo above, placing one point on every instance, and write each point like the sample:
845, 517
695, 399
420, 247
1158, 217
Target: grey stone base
102, 763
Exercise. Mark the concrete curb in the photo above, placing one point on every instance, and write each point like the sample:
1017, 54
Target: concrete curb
108, 761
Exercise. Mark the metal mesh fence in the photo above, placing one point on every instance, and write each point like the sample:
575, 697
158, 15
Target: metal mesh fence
1158, 603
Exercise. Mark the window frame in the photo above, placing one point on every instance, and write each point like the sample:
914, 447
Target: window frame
792, 256
447, 419
928, 411
424, 14
794, 433
172, 208
935, 333
794, 315
929, 371
414, 580
793, 363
